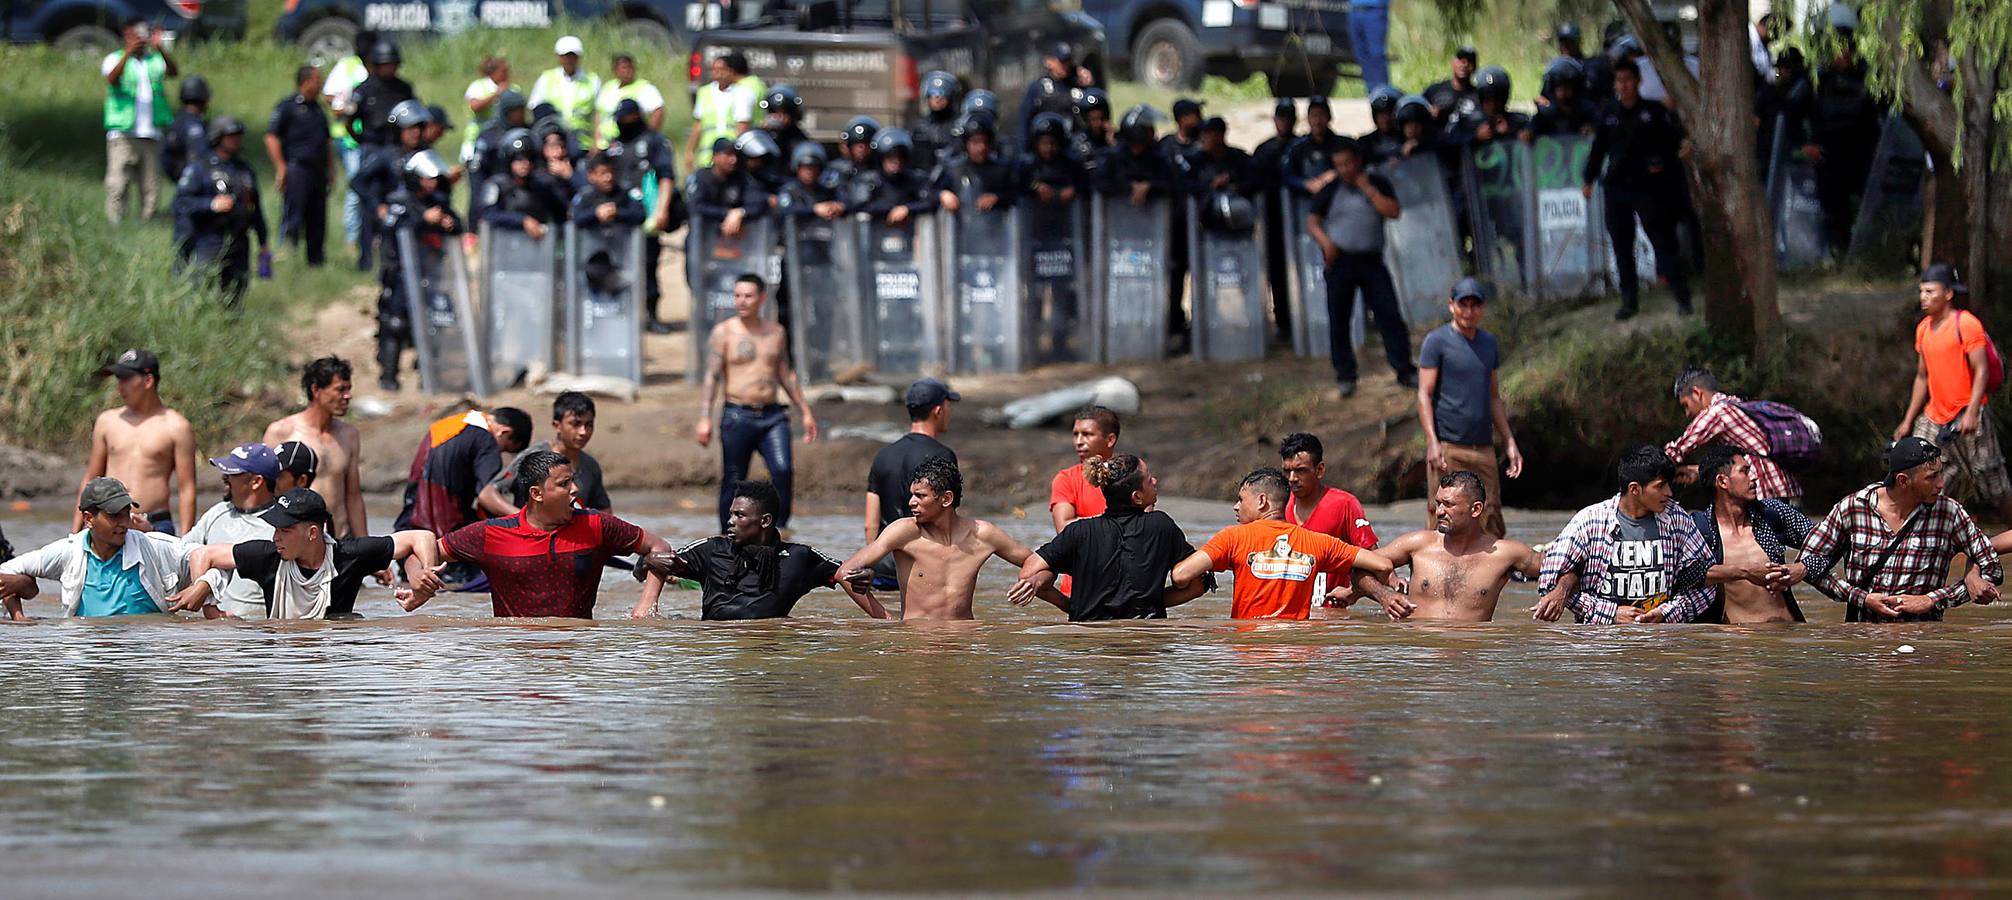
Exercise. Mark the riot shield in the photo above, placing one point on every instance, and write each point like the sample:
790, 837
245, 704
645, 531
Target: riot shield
1889, 214
988, 319
1798, 210
1057, 278
1226, 274
712, 262
520, 286
1567, 261
604, 301
1496, 179
1306, 271
1422, 245
903, 290
827, 317
1134, 256
445, 331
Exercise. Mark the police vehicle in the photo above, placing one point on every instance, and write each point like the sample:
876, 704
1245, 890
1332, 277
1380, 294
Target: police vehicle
328, 28
93, 25
866, 57
1298, 45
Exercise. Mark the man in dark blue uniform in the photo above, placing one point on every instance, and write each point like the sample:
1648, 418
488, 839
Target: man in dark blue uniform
296, 139
1053, 92
644, 164
188, 137
218, 197
1643, 181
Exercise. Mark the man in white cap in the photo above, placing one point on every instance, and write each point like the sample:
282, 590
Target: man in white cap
569, 89
250, 472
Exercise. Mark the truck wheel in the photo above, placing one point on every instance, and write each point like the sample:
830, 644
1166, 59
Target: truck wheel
329, 39
1302, 84
1167, 56
86, 40
651, 33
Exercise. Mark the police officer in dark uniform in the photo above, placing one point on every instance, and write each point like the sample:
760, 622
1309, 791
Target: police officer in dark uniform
596, 206
1215, 166
809, 193
1418, 129
1492, 120
523, 196
1782, 102
218, 196
1842, 130
761, 159
855, 147
976, 167
1187, 130
782, 118
1050, 181
1266, 177
1385, 139
1308, 162
383, 168
721, 195
645, 164
1052, 92
296, 139
1455, 97
420, 200
934, 137
1177, 148
1640, 144
378, 95
1567, 111
511, 111
1134, 169
1051, 173
894, 192
188, 137
1088, 142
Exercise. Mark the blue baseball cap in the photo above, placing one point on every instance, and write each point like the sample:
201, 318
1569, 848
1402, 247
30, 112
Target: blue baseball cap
254, 459
927, 393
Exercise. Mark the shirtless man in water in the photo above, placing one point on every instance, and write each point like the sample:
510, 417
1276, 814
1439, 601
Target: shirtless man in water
336, 444
752, 357
937, 553
1458, 569
142, 443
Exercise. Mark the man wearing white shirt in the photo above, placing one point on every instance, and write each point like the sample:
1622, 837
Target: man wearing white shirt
722, 109
136, 114
105, 569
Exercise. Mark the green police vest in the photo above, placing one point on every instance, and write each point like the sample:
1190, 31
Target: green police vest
348, 72
612, 95
713, 109
122, 99
573, 97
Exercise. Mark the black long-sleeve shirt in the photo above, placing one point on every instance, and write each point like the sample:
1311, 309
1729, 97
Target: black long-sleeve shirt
712, 196
1637, 144
628, 210
1121, 168
1203, 169
507, 202
879, 193
211, 233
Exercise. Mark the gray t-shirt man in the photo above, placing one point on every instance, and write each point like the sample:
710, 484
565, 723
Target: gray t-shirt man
1349, 219
1462, 410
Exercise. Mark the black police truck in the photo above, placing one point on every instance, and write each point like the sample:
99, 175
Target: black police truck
328, 28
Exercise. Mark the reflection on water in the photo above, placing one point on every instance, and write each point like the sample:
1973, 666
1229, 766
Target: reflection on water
451, 753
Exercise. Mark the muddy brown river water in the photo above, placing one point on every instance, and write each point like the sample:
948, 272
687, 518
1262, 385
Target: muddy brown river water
449, 754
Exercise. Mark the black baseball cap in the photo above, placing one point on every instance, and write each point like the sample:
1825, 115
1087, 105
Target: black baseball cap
1187, 106
1467, 52
1216, 124
1943, 274
298, 458
724, 145
929, 392
132, 362
1908, 452
1470, 287
294, 507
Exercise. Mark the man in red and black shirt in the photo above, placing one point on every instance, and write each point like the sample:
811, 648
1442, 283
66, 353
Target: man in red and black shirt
546, 559
1316, 507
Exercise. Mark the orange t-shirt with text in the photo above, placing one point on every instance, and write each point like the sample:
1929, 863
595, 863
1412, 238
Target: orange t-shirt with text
1948, 362
1274, 563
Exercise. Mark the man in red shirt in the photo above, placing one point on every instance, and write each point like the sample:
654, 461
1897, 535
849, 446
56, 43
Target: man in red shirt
1317, 507
1275, 563
546, 559
1070, 496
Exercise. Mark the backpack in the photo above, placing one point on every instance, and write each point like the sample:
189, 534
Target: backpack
1792, 438
1994, 365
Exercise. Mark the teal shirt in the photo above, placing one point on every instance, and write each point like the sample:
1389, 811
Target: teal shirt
112, 589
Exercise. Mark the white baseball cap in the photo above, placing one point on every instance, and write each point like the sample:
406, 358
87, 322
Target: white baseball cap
568, 44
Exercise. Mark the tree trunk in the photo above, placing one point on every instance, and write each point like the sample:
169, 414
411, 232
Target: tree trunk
1740, 286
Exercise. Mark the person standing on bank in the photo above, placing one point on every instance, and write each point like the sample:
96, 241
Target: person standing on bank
218, 198
296, 140
188, 136
1721, 418
143, 443
749, 357
136, 113
1347, 222
569, 89
1642, 148
1460, 401
1951, 383
887, 482
1893, 542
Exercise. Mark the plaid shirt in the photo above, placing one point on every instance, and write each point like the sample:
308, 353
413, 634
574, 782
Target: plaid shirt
1723, 422
1587, 546
1855, 534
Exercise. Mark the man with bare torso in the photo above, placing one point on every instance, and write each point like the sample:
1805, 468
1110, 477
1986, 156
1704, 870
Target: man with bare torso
1457, 570
752, 357
142, 444
937, 553
1749, 537
336, 444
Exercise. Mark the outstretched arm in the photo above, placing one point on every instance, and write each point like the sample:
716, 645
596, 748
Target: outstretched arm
1190, 570
1035, 581
1005, 547
421, 555
865, 599
897, 534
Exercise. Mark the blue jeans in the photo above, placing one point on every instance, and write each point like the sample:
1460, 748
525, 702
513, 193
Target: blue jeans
745, 430
352, 215
1368, 29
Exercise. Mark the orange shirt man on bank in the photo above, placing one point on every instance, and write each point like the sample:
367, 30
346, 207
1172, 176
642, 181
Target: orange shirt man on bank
1273, 561
1070, 497
1951, 385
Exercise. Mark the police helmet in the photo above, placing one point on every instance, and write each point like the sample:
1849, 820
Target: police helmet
225, 125
1563, 70
508, 102
520, 143
1492, 83
409, 114
195, 90
892, 139
437, 115
980, 100
1842, 17
384, 52
1384, 99
757, 144
1049, 124
1567, 31
808, 153
425, 164
1413, 108
941, 84
1232, 211
1089, 99
1137, 125
860, 130
976, 123
782, 98
1627, 45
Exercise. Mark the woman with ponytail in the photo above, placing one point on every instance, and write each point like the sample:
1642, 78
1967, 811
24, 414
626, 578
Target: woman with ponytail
1119, 560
